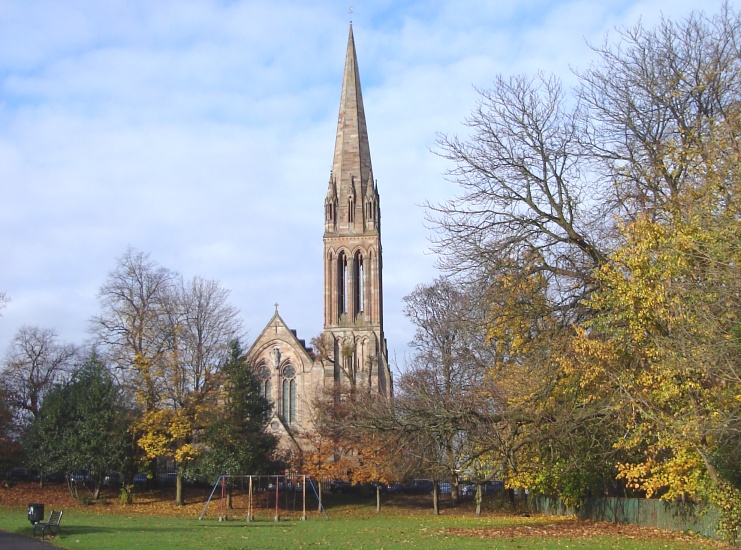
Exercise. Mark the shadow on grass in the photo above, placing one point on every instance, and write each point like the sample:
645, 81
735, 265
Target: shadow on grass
65, 531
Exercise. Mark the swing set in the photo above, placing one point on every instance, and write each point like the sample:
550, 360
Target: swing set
264, 497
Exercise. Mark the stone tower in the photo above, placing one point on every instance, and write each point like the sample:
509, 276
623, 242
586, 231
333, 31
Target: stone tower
292, 376
353, 289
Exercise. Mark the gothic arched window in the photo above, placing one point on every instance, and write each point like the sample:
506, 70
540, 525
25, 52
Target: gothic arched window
289, 394
359, 290
342, 283
263, 372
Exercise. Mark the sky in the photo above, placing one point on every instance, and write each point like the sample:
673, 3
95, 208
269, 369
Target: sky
201, 132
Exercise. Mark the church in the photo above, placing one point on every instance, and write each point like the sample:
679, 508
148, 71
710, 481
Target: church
354, 350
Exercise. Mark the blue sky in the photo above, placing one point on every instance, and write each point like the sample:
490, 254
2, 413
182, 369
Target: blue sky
202, 132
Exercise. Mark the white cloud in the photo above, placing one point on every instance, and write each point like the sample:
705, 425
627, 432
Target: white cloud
202, 132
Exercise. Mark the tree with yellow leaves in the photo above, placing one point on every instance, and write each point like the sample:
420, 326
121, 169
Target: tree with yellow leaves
605, 227
168, 339
667, 336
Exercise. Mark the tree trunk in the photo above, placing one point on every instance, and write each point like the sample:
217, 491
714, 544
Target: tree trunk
319, 493
435, 495
478, 499
378, 498
72, 486
179, 490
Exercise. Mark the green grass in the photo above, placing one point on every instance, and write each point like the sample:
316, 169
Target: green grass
84, 529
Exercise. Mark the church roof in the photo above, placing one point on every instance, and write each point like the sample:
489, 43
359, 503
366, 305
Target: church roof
277, 329
351, 149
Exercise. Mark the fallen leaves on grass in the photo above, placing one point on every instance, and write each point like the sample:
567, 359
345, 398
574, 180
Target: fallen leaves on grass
572, 528
149, 502
161, 503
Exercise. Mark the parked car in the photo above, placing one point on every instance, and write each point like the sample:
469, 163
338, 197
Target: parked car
56, 477
140, 479
393, 488
282, 486
487, 488
80, 475
492, 487
167, 479
389, 488
339, 486
18, 474
418, 487
112, 478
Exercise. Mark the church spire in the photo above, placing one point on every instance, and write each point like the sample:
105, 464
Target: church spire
353, 288
351, 166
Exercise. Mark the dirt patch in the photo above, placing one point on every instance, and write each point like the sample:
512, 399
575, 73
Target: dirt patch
571, 528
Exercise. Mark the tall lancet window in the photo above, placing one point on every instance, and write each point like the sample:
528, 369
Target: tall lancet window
370, 211
359, 290
264, 374
289, 394
342, 282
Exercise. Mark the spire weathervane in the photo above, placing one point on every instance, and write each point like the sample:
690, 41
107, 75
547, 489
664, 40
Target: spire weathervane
350, 12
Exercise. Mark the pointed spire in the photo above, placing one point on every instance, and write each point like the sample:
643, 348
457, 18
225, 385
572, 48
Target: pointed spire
351, 150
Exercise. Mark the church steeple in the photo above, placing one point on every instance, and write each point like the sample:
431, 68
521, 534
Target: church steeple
352, 160
351, 188
353, 297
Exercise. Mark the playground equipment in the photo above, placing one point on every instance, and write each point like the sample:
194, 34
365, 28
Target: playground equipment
261, 497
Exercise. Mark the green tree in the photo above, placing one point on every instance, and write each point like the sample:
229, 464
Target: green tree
81, 424
236, 442
10, 447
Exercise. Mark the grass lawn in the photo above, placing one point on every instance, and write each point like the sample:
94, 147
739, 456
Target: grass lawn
88, 529
154, 522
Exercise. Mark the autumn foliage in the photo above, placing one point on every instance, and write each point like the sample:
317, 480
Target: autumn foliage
602, 231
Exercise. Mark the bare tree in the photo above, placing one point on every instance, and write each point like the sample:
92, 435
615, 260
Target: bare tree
544, 173
132, 323
526, 195
35, 361
442, 401
201, 324
653, 102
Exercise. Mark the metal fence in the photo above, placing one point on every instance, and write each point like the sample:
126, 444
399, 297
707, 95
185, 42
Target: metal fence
672, 516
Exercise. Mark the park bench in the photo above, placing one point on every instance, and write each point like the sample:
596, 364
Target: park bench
53, 523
